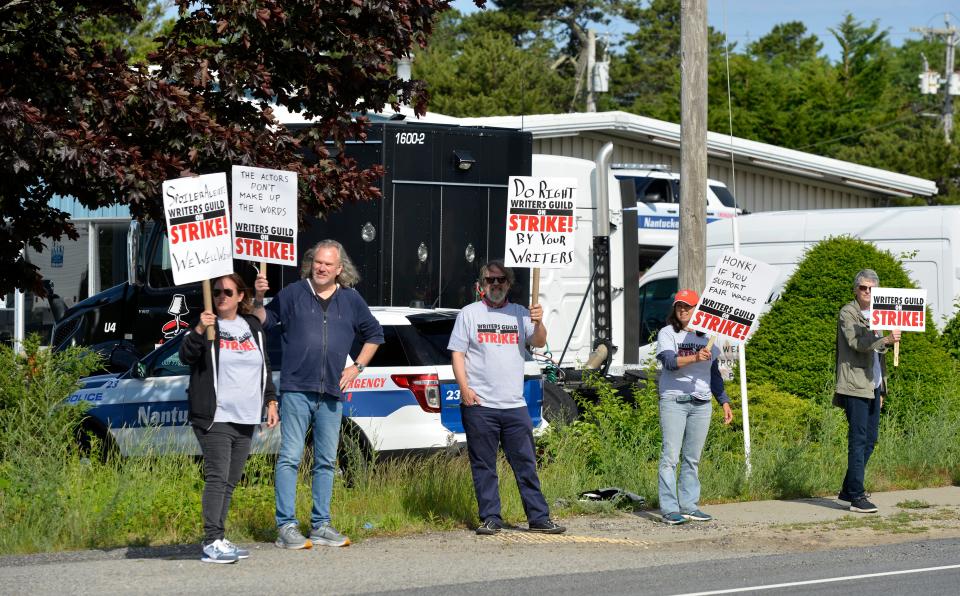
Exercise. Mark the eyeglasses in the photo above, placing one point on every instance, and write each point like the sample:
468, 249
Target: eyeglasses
226, 291
495, 280
864, 288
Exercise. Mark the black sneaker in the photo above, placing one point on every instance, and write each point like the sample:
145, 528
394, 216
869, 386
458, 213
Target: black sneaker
862, 505
546, 527
491, 526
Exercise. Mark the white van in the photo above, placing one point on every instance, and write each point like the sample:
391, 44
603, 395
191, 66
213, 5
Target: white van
926, 239
658, 206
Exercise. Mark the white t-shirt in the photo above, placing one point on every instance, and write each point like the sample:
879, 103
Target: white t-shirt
494, 350
239, 374
692, 379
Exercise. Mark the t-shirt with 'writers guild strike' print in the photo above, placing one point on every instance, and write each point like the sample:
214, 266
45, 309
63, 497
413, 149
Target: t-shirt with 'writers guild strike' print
238, 374
494, 350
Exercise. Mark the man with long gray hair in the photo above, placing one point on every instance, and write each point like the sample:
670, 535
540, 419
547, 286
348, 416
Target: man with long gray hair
861, 384
318, 317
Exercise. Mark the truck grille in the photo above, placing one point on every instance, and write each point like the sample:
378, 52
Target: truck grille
64, 330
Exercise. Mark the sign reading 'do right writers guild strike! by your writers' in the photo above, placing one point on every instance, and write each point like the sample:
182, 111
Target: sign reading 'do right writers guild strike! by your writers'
731, 304
540, 222
264, 215
898, 308
197, 211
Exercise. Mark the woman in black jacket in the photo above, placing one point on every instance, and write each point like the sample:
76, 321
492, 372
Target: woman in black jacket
230, 385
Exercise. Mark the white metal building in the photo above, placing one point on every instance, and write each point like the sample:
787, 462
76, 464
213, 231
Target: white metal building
768, 178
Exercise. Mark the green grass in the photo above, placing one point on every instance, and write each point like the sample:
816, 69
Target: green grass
52, 498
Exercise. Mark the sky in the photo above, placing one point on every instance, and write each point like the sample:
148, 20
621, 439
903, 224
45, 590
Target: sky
744, 21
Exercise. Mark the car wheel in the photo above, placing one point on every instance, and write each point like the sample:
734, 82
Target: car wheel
95, 441
559, 407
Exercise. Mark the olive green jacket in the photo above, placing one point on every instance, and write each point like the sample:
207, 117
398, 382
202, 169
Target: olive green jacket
856, 344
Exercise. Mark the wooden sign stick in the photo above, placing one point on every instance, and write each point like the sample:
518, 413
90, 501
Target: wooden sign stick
535, 292
208, 305
710, 342
896, 353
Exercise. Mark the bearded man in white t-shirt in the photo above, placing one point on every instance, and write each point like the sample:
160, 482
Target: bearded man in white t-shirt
489, 349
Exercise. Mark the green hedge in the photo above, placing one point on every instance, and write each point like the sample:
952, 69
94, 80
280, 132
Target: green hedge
794, 348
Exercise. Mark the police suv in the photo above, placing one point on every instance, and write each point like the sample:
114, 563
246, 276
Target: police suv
406, 399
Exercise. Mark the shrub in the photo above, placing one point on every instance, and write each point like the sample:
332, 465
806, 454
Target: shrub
795, 348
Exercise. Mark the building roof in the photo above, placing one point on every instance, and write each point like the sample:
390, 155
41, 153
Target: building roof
761, 155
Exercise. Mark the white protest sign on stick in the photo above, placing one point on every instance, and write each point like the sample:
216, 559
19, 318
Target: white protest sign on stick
198, 231
198, 227
898, 308
540, 225
736, 293
264, 215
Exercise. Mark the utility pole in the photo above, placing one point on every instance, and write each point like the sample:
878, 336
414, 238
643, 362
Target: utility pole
591, 62
950, 80
693, 144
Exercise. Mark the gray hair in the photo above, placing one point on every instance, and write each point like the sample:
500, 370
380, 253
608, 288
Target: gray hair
348, 277
866, 275
485, 269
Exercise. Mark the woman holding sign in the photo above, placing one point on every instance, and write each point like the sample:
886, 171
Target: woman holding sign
230, 385
689, 374
861, 384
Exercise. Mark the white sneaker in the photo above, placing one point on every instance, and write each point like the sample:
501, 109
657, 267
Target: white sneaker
241, 553
217, 552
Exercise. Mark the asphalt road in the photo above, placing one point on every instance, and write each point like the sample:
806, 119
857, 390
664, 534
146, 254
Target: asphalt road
810, 546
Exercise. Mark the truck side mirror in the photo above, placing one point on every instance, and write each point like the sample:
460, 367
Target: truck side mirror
133, 252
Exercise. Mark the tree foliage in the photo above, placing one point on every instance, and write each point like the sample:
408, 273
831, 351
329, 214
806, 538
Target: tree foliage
135, 35
76, 119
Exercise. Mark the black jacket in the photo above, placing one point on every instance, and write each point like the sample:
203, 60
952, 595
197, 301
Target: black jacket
203, 357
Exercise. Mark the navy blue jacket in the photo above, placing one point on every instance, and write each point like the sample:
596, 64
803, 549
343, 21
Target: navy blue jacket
316, 343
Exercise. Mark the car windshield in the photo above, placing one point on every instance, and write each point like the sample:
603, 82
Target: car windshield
725, 196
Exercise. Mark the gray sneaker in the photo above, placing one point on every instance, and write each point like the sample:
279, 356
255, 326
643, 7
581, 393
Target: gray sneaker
216, 552
327, 535
289, 536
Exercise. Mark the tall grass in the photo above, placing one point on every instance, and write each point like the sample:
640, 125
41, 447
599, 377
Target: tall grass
52, 497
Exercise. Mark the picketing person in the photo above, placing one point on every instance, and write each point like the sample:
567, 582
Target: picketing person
318, 318
230, 385
861, 374
688, 375
488, 346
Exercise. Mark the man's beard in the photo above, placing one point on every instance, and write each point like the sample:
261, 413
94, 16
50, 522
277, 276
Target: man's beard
497, 296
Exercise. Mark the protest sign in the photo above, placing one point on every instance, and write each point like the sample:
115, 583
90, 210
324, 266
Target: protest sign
736, 293
540, 222
898, 308
264, 215
198, 227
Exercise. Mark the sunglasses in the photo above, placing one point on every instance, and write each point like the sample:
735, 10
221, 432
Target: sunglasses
495, 280
864, 288
226, 292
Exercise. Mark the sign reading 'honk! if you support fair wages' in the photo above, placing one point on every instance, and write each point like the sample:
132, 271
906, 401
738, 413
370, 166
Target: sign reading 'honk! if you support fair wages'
197, 211
731, 304
540, 222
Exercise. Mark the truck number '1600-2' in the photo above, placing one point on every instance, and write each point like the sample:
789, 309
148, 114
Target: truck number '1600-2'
410, 138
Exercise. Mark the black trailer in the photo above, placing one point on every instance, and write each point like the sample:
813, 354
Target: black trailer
442, 214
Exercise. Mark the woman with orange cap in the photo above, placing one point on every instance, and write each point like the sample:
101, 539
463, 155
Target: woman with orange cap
688, 375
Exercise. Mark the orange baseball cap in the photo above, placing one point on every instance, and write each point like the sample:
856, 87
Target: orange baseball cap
687, 297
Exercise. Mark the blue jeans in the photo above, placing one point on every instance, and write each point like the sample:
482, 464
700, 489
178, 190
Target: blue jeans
297, 412
684, 426
863, 429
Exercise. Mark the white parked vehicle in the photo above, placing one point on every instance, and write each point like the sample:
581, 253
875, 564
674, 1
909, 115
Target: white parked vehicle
406, 399
926, 239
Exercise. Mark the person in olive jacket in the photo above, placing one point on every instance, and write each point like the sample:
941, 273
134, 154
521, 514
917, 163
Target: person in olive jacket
230, 385
861, 371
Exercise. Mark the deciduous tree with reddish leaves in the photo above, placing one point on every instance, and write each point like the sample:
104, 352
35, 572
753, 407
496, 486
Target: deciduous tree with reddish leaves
77, 119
